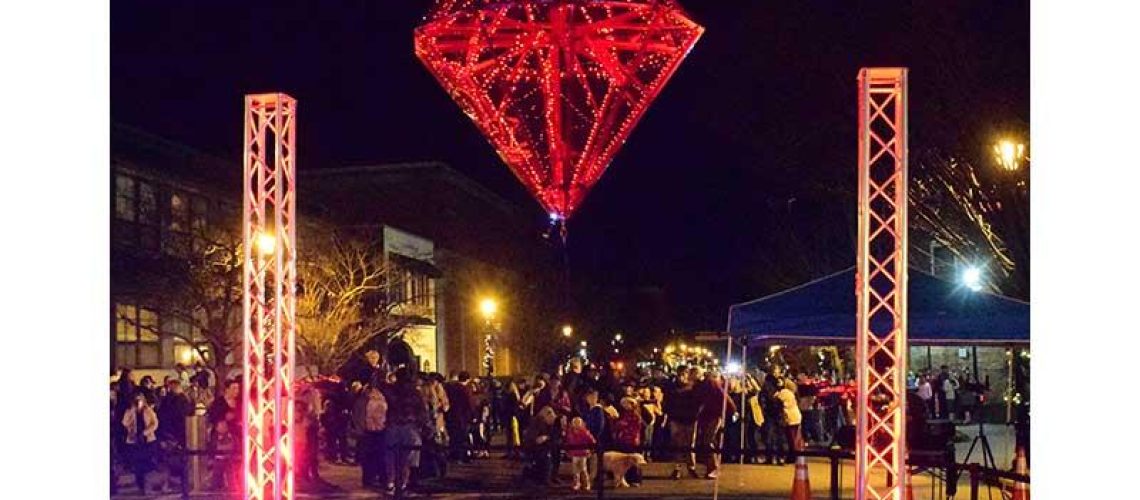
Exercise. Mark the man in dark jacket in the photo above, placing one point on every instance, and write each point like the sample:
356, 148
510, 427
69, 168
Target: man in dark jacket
682, 407
460, 414
172, 413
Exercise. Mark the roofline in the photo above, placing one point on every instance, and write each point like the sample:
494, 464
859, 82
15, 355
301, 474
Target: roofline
792, 289
794, 338
834, 274
439, 168
134, 132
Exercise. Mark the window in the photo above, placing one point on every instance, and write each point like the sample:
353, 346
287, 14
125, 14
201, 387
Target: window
188, 216
136, 337
125, 197
419, 287
136, 213
198, 210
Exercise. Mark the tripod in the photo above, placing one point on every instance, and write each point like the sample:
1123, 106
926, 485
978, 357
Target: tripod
985, 450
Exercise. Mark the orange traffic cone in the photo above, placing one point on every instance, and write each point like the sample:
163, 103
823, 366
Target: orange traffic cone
908, 489
801, 487
1020, 490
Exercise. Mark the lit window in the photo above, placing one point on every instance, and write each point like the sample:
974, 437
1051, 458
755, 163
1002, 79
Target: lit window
125, 317
136, 336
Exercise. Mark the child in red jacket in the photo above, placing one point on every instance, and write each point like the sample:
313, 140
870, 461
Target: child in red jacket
579, 441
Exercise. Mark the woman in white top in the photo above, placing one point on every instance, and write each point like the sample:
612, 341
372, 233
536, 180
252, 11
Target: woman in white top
950, 388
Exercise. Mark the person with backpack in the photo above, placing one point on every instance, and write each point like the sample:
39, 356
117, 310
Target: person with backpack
369, 416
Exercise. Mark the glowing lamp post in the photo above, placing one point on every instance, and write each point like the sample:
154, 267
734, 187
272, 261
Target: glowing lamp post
972, 278
489, 307
1009, 155
269, 272
567, 331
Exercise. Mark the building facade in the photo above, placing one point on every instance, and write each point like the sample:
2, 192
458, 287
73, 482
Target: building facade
170, 201
483, 247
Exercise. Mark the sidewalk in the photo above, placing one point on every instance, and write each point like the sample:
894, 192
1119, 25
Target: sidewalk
499, 478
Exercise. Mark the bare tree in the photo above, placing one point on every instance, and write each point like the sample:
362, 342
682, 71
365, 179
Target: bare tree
199, 286
977, 218
349, 294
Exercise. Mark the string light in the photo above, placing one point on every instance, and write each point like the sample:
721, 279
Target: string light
556, 86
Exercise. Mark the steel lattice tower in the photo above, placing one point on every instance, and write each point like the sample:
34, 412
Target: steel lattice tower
881, 285
269, 277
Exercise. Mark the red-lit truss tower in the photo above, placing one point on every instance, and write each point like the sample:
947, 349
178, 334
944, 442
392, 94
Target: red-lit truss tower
269, 304
555, 85
881, 286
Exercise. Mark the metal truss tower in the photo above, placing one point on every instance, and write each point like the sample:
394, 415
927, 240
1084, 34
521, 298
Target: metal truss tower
269, 277
881, 286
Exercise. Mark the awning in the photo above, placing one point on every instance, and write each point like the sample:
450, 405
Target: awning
940, 313
416, 266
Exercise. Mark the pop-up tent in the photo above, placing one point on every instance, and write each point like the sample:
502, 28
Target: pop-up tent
823, 312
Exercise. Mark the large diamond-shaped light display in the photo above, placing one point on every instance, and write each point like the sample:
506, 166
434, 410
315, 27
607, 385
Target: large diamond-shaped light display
555, 85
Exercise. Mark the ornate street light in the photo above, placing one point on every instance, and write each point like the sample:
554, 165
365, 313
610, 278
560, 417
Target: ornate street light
1009, 154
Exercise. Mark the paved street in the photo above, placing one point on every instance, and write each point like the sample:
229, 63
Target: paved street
497, 478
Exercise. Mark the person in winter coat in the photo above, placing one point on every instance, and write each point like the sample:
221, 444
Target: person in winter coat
579, 442
775, 446
172, 412
681, 408
407, 416
511, 406
791, 418
539, 440
715, 405
626, 433
141, 423
460, 416
753, 420
434, 461
370, 414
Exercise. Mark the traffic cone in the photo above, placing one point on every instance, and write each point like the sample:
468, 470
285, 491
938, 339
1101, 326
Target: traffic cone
908, 487
1020, 490
801, 487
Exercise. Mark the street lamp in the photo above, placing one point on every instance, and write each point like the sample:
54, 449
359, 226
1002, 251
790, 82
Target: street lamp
1009, 154
266, 243
567, 331
488, 307
617, 337
972, 278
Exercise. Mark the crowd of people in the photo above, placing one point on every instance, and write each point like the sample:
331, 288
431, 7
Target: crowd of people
400, 426
948, 395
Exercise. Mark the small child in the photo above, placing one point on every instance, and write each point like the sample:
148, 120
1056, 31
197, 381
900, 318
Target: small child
579, 439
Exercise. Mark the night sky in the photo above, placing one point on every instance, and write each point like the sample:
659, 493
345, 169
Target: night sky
738, 181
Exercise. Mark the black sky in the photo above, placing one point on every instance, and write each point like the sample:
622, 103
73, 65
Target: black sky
698, 203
